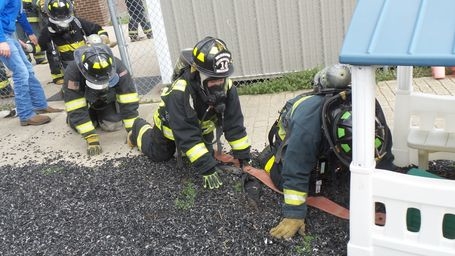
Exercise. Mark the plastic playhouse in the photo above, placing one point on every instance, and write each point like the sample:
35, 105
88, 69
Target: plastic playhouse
419, 210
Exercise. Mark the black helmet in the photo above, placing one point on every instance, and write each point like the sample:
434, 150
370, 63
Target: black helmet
211, 57
337, 76
342, 135
97, 65
60, 12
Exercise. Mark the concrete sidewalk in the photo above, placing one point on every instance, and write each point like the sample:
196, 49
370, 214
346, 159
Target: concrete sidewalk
56, 141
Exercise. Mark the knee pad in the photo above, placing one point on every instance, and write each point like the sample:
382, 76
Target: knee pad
109, 126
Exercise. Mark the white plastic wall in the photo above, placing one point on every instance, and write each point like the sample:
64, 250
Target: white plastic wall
398, 192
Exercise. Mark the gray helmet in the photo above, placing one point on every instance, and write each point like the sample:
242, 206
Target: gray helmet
337, 76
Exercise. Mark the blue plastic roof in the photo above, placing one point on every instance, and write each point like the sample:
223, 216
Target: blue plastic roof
401, 32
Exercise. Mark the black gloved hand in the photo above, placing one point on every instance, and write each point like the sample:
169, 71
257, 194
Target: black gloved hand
212, 179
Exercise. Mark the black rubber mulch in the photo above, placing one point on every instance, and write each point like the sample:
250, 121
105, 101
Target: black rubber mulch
131, 206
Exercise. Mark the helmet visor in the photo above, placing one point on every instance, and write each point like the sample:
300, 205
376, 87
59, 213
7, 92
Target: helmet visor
60, 10
96, 85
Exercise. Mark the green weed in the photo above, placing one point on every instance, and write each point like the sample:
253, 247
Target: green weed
187, 197
52, 169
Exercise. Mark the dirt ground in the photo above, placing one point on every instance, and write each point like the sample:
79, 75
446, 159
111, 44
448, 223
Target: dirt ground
131, 206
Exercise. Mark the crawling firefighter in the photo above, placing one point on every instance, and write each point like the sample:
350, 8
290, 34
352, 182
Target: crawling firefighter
98, 91
313, 136
201, 99
63, 34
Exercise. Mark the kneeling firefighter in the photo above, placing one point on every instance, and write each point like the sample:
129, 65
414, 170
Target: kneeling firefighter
313, 136
98, 91
201, 99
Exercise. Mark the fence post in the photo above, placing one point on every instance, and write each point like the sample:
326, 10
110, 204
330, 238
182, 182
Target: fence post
160, 40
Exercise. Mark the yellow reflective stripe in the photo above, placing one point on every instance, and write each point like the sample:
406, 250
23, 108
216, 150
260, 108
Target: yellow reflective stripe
70, 47
229, 83
196, 152
298, 103
141, 133
4, 84
75, 104
129, 122
167, 132
294, 197
85, 127
268, 166
55, 76
239, 144
102, 31
128, 98
180, 85
32, 19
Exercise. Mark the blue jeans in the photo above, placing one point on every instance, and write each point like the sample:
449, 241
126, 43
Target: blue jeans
27, 89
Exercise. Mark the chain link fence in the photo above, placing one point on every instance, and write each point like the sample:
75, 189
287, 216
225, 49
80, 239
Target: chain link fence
267, 38
138, 45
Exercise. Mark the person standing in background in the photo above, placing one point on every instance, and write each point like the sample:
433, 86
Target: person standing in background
30, 99
136, 11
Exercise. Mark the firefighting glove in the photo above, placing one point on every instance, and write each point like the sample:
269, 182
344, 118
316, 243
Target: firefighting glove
288, 227
129, 140
93, 145
212, 179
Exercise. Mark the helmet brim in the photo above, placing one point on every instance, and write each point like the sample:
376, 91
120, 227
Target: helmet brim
188, 56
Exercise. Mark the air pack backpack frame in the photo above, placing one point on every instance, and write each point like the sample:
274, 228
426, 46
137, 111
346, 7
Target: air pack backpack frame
279, 132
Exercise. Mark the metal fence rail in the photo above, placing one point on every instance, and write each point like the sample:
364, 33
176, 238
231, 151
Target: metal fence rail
266, 37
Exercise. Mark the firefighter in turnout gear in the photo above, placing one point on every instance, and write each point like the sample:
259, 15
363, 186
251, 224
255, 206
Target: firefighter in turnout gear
136, 11
64, 34
201, 99
98, 91
33, 11
313, 138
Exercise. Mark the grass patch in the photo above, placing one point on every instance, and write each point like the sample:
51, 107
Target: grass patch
52, 170
187, 197
305, 247
303, 80
238, 187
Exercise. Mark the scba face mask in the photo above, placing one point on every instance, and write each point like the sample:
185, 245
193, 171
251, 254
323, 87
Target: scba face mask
62, 25
213, 88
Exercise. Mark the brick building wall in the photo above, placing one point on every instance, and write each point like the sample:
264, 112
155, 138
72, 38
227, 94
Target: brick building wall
93, 10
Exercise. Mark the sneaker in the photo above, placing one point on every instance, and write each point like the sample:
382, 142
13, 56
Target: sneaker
150, 35
36, 120
48, 110
134, 38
